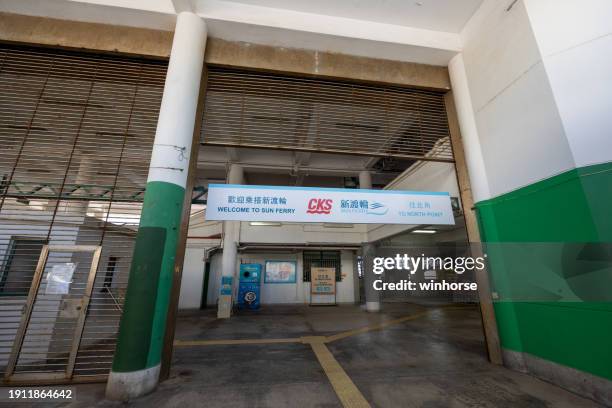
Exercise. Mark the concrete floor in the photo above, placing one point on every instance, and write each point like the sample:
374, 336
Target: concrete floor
436, 360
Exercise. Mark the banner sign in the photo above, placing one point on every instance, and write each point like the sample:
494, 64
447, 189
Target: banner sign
322, 281
232, 202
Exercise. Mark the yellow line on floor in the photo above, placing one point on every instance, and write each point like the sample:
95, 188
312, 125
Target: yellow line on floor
380, 326
188, 343
374, 327
345, 389
326, 339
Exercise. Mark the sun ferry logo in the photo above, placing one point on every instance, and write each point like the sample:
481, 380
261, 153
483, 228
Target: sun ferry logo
377, 209
319, 206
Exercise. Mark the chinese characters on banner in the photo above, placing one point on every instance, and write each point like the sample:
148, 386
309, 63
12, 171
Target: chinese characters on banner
228, 202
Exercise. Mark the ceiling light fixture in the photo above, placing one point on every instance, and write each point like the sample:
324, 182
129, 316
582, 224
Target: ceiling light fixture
265, 224
418, 231
337, 225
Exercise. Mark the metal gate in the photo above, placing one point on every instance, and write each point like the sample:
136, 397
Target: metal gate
273, 111
76, 134
322, 259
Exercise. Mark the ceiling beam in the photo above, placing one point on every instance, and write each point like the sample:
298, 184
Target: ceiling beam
289, 169
369, 162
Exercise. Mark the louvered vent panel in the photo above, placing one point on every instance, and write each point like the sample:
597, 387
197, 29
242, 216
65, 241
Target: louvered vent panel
264, 110
76, 131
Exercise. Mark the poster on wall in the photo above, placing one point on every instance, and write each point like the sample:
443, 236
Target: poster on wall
322, 286
231, 202
281, 272
59, 278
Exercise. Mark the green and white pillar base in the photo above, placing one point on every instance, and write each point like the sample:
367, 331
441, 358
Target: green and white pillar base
137, 359
131, 384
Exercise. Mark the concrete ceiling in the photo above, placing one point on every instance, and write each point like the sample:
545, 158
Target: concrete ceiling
331, 28
399, 30
438, 15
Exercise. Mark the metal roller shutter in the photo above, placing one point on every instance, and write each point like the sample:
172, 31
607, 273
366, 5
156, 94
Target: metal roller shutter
265, 110
76, 134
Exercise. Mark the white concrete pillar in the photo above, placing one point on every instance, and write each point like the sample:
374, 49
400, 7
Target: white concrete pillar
87, 168
74, 211
137, 359
469, 132
368, 250
231, 239
365, 179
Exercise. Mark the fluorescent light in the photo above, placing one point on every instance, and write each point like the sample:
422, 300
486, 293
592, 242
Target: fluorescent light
265, 224
423, 231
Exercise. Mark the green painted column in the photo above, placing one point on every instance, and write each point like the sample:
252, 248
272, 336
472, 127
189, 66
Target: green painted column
136, 363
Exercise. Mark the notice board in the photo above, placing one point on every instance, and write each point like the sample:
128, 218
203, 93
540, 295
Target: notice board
322, 286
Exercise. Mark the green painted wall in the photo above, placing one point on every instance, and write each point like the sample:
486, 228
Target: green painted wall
555, 293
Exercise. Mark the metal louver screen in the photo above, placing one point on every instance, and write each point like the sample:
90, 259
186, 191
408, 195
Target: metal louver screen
76, 134
264, 110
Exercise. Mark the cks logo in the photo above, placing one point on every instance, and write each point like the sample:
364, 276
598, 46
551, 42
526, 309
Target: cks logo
319, 206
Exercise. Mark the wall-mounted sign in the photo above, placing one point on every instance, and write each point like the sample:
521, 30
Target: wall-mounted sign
231, 202
226, 286
322, 281
281, 272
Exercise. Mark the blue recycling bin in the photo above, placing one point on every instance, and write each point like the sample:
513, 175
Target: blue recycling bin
249, 286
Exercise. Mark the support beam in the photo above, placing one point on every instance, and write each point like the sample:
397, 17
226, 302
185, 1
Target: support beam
464, 115
464, 164
365, 180
303, 158
299, 178
136, 364
369, 162
192, 181
368, 251
330, 64
231, 238
85, 173
300, 159
232, 154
